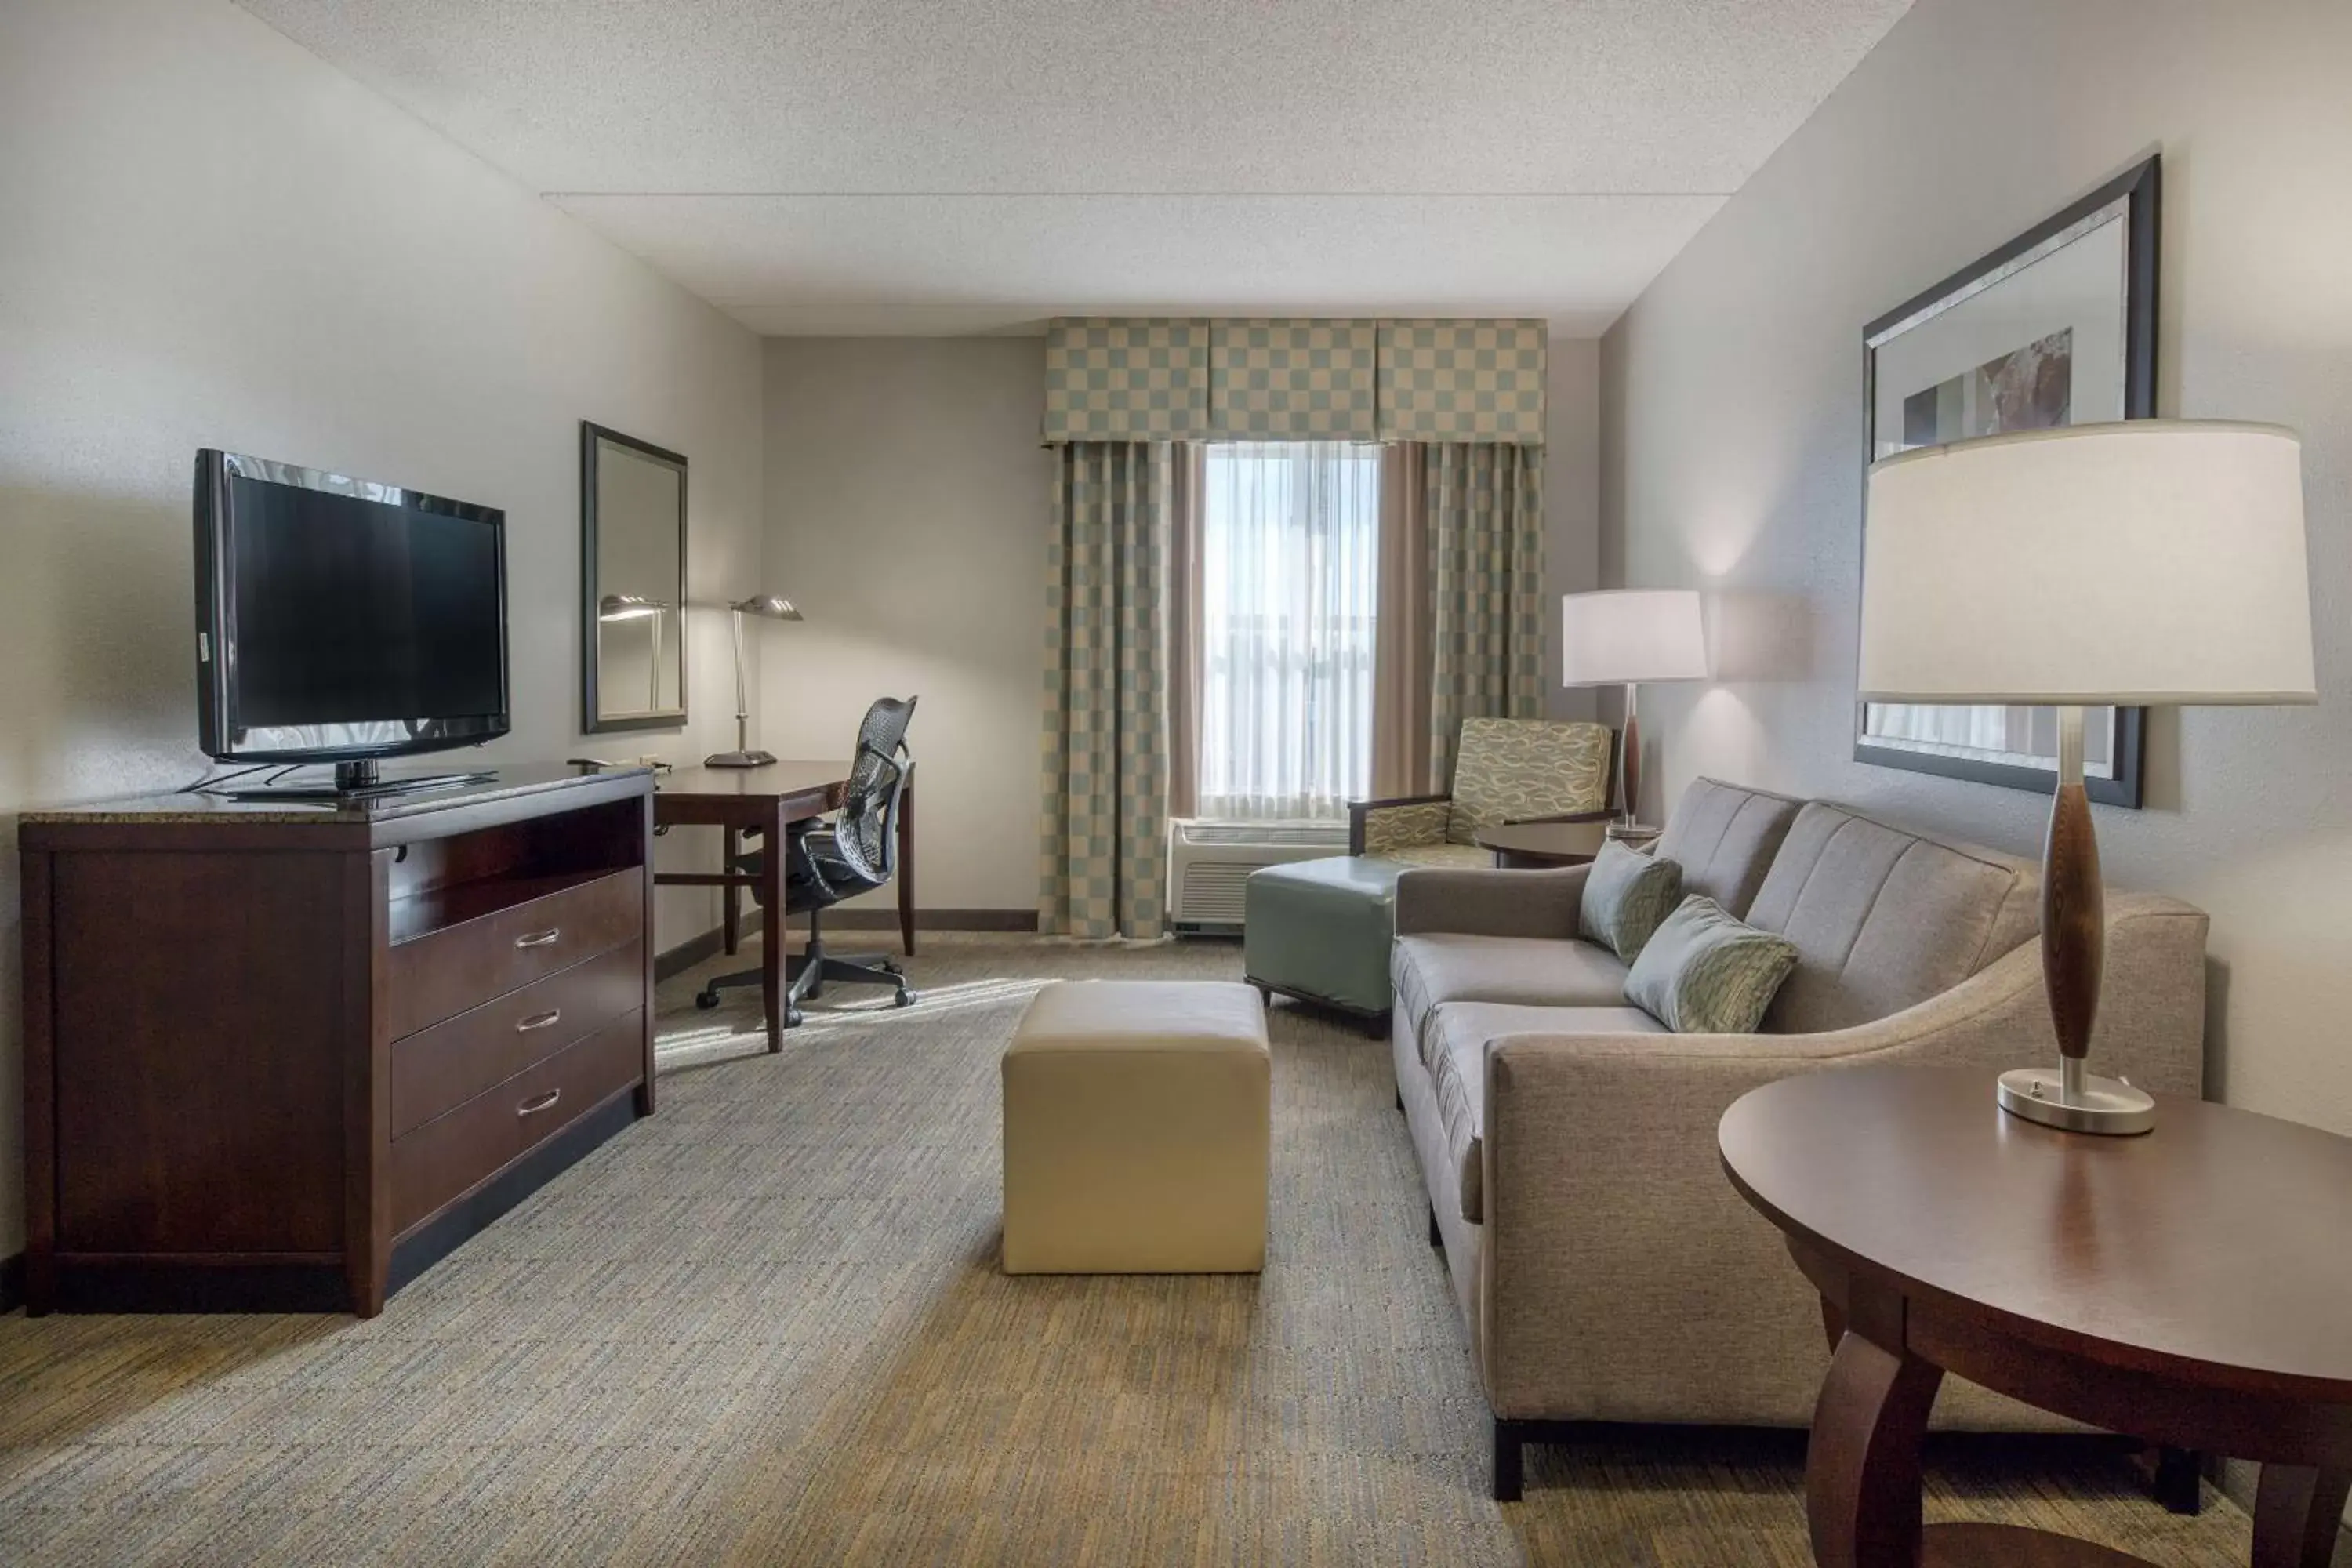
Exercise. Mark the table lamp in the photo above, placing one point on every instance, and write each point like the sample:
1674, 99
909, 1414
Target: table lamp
1621, 636
2150, 562
768, 606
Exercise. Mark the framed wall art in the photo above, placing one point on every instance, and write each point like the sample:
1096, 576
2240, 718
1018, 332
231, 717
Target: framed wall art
2057, 327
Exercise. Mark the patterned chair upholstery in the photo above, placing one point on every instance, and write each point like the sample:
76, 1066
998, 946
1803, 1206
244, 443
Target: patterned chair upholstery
1505, 770
1319, 929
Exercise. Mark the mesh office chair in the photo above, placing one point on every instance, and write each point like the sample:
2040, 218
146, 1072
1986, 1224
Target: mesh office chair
826, 862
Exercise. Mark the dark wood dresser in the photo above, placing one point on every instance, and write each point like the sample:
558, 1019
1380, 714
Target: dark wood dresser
284, 1058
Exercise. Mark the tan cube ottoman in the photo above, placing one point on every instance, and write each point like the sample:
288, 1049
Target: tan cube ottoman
1135, 1130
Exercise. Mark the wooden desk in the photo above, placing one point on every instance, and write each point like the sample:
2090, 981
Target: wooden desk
771, 799
2186, 1287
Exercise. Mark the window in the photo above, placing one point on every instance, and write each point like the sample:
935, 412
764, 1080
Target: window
1289, 570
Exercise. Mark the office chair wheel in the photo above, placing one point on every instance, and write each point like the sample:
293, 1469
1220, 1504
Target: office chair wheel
794, 1018
906, 999
706, 998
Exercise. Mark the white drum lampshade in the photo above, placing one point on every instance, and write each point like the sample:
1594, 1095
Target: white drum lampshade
1619, 637
2149, 562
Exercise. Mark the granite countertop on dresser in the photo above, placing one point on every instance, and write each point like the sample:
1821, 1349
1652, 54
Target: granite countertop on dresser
194, 807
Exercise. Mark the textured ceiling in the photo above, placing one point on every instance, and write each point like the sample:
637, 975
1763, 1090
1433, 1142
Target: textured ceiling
933, 165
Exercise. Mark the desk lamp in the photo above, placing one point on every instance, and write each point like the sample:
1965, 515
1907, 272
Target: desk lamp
768, 606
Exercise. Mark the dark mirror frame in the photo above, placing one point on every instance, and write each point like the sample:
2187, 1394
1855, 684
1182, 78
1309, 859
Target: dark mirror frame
590, 724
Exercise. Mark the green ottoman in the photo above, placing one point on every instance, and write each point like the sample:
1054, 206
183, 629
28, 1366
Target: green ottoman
1320, 930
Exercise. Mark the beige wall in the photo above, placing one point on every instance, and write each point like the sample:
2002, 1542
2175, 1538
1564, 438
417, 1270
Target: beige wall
907, 506
909, 503
212, 239
1733, 442
1571, 502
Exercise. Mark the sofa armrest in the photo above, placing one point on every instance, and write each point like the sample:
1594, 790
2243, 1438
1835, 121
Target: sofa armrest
1490, 903
1607, 1213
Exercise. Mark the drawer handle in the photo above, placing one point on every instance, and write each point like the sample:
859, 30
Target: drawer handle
539, 1021
539, 1102
541, 938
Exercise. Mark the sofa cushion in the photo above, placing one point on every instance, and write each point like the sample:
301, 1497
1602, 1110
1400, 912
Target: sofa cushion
1538, 972
1458, 1072
1705, 972
1883, 919
1724, 838
1626, 895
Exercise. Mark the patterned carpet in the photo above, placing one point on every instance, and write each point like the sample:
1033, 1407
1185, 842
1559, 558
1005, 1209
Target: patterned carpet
765, 1327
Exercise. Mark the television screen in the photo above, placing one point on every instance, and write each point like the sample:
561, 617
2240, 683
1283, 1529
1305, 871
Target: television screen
346, 619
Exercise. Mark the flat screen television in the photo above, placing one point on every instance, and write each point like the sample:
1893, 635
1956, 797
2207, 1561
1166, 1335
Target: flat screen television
340, 620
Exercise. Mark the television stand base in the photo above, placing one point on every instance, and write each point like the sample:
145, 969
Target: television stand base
370, 786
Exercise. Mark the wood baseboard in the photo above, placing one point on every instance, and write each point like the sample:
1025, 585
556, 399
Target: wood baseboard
710, 943
12, 1282
881, 918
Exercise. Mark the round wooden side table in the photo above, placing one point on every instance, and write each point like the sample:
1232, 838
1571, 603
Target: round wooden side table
1532, 846
2192, 1287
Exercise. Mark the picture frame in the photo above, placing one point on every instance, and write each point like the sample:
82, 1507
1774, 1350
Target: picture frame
2057, 327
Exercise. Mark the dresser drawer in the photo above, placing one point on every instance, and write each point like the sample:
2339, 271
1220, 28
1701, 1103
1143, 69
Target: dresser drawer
461, 1148
448, 1064
441, 974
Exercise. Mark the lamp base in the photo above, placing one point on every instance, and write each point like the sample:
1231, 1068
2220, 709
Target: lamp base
739, 759
2103, 1105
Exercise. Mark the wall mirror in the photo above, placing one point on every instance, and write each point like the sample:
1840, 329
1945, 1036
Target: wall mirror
632, 577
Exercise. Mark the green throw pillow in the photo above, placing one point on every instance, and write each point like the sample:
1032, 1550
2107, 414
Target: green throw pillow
1705, 972
1626, 894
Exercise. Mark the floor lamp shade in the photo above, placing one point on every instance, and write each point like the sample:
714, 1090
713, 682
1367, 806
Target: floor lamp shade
2150, 562
1622, 636
2153, 561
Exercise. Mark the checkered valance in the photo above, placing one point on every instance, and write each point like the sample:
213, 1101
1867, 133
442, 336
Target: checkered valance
1462, 381
1174, 379
1293, 381
1144, 379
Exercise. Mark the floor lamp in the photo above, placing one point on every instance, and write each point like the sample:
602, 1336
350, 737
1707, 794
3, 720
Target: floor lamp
2145, 563
768, 606
1622, 636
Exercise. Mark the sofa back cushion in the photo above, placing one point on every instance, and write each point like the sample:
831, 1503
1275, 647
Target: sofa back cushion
1724, 839
1513, 770
1883, 919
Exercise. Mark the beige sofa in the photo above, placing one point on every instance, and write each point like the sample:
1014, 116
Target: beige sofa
1605, 1268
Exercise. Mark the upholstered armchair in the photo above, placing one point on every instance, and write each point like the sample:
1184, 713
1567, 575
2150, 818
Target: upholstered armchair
1505, 770
1319, 929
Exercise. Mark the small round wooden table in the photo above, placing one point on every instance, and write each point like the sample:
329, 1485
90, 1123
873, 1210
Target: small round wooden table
1532, 846
2190, 1287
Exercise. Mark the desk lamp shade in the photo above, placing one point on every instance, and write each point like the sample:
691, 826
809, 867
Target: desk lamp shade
2149, 562
1624, 636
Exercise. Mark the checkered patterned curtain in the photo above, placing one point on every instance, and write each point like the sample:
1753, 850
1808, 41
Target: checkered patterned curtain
1484, 505
1103, 842
1184, 379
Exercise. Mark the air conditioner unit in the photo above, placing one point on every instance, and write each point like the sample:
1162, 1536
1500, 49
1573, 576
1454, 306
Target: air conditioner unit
1208, 862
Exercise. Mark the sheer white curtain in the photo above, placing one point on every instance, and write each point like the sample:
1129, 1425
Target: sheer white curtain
1289, 577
